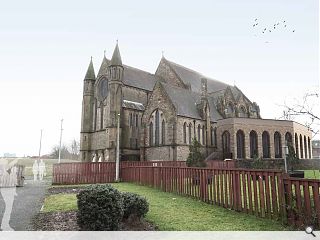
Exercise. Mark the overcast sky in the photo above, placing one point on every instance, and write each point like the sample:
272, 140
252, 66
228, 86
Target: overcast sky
45, 48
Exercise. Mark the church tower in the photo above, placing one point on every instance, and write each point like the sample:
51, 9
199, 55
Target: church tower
87, 113
115, 77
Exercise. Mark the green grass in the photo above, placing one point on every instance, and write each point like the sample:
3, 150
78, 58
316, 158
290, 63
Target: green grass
60, 202
312, 174
173, 212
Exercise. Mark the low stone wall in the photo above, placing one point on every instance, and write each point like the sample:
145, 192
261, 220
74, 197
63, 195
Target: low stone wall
304, 164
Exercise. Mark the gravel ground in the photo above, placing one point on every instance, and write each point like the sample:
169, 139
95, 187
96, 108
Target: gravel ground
67, 221
27, 204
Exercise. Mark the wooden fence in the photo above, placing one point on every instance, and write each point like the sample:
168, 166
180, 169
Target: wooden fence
266, 194
97, 172
83, 173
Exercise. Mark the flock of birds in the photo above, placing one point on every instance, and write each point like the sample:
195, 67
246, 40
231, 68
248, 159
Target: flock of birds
275, 26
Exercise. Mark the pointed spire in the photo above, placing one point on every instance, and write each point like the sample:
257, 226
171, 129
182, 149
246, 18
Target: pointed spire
90, 75
116, 57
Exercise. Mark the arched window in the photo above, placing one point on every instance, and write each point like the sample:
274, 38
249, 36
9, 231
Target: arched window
301, 147
199, 131
265, 144
157, 128
253, 144
163, 132
151, 134
185, 133
296, 140
242, 112
190, 131
288, 138
305, 147
277, 145
309, 147
240, 144
158, 120
203, 136
211, 136
230, 110
226, 145
137, 122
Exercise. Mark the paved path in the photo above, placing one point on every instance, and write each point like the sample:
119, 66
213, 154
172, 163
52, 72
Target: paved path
27, 204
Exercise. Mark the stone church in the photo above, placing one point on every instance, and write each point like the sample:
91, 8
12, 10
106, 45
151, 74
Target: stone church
159, 114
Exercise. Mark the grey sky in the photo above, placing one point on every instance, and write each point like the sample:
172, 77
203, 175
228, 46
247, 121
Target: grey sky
45, 48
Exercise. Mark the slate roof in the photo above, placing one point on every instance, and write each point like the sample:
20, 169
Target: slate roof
133, 105
132, 76
193, 78
186, 102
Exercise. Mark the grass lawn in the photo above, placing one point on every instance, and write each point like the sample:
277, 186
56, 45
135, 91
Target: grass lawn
172, 212
312, 174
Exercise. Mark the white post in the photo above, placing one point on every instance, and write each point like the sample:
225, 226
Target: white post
118, 149
60, 142
40, 144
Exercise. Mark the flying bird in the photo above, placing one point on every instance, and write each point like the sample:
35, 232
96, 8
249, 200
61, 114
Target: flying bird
293, 30
285, 25
256, 19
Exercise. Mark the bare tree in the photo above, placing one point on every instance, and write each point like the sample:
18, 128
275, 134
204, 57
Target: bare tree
307, 108
75, 149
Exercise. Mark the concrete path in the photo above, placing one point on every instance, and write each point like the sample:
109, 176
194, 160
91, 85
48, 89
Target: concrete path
27, 204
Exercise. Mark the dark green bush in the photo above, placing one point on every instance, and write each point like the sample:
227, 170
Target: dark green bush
134, 205
100, 208
195, 158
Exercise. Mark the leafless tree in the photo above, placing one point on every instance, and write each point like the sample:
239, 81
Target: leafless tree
308, 108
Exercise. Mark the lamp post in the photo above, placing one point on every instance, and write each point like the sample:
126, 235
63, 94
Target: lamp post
59, 160
118, 149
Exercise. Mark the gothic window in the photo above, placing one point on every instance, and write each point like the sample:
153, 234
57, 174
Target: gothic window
277, 145
185, 133
151, 134
226, 145
157, 117
211, 132
265, 145
242, 112
163, 132
190, 131
240, 144
199, 133
137, 122
296, 144
157, 128
215, 136
305, 147
253, 144
301, 147
230, 110
101, 115
203, 136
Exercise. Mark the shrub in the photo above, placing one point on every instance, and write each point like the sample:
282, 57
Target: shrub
134, 205
100, 207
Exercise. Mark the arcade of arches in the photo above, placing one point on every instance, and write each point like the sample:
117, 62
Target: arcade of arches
243, 141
